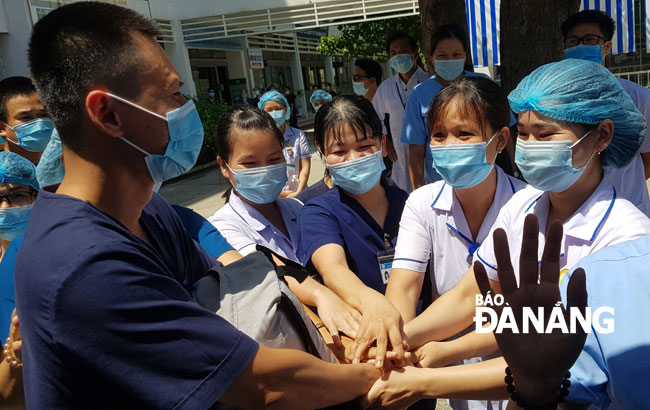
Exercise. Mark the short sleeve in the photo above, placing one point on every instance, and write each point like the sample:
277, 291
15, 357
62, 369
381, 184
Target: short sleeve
589, 378
318, 227
203, 232
304, 146
233, 234
143, 332
414, 130
413, 249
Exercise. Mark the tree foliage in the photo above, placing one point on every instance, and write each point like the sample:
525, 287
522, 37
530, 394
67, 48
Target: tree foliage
368, 39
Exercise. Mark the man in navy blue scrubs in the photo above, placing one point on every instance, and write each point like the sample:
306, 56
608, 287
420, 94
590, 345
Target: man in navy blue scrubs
102, 274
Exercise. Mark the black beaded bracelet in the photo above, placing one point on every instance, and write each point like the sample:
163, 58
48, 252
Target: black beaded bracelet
515, 395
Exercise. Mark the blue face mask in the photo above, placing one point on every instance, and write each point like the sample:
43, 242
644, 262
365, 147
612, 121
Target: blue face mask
358, 88
401, 63
185, 141
13, 221
360, 175
261, 185
592, 53
34, 135
548, 165
278, 116
449, 70
462, 165
211, 95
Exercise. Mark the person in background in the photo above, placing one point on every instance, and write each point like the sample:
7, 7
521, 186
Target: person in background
212, 95
291, 99
18, 190
296, 148
24, 124
329, 89
391, 98
366, 78
250, 155
257, 93
450, 46
588, 36
105, 267
319, 98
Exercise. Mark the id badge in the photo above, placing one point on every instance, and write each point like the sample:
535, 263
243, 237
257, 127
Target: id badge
385, 261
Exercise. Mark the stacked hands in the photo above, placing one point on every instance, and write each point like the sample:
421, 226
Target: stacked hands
538, 361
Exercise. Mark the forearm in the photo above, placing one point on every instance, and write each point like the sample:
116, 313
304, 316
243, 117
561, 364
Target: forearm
403, 290
308, 292
349, 287
229, 257
8, 378
290, 379
470, 345
416, 165
303, 178
476, 381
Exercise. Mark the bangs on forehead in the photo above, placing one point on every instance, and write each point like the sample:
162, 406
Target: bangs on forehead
465, 108
335, 132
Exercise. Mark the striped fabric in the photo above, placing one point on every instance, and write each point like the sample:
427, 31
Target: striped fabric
483, 18
622, 11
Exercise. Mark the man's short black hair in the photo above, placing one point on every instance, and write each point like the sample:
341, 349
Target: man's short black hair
605, 23
371, 68
413, 44
12, 87
80, 46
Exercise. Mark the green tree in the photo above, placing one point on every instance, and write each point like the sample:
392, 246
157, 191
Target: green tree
368, 39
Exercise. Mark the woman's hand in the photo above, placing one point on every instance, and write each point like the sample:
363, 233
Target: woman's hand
538, 361
14, 334
396, 389
336, 315
381, 323
432, 354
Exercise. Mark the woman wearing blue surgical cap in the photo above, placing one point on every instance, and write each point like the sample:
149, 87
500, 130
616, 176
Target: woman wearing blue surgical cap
18, 189
574, 118
296, 149
319, 98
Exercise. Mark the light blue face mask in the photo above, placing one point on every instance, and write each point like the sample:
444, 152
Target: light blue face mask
462, 165
317, 108
261, 185
13, 221
548, 165
593, 53
358, 88
278, 116
449, 70
185, 141
402, 63
33, 135
360, 175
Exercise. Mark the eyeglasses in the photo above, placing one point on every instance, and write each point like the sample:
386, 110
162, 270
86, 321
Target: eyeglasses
589, 40
358, 77
18, 198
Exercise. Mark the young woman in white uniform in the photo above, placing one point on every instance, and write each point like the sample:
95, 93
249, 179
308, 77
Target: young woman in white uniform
249, 153
445, 222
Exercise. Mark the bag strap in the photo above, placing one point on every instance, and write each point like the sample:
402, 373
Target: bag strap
290, 268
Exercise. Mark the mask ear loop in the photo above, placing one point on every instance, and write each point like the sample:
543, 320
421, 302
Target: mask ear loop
592, 154
489, 142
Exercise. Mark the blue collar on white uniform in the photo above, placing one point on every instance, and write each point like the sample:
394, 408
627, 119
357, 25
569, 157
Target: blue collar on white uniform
253, 218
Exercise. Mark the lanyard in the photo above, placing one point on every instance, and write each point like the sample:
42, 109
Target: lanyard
473, 246
387, 238
400, 95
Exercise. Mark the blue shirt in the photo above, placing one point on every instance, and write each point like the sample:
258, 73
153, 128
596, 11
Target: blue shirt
334, 217
106, 319
202, 231
613, 370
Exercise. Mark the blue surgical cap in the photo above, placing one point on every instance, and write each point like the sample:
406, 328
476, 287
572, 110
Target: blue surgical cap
274, 96
584, 92
320, 95
49, 170
15, 169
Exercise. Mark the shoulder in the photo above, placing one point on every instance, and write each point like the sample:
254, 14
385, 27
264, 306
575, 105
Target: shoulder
524, 198
384, 86
225, 213
426, 194
473, 74
425, 87
291, 204
326, 203
626, 214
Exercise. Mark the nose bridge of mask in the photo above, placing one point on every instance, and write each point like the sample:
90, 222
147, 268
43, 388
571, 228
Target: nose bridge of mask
356, 161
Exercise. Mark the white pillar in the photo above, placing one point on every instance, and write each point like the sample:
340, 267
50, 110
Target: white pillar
296, 74
251, 76
177, 52
329, 70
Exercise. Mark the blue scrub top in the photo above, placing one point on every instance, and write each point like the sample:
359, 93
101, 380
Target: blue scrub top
613, 368
197, 226
334, 217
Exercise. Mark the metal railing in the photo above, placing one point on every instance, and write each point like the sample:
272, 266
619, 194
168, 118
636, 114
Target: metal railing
639, 77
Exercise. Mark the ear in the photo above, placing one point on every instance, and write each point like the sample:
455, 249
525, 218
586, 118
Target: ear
607, 47
319, 148
502, 138
605, 133
384, 149
224, 169
101, 112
